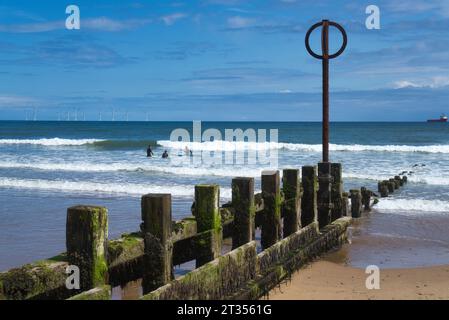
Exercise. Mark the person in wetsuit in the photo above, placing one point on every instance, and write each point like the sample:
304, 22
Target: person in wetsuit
149, 152
165, 155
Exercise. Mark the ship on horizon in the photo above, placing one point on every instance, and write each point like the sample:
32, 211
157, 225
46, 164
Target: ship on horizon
443, 118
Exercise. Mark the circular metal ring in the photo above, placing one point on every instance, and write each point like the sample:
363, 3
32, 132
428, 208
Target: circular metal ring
332, 56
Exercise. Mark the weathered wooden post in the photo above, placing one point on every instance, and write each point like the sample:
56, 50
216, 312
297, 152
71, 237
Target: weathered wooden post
390, 185
158, 252
245, 210
271, 193
324, 194
382, 187
337, 191
207, 215
399, 180
366, 198
345, 206
292, 201
404, 179
86, 241
395, 183
356, 203
309, 210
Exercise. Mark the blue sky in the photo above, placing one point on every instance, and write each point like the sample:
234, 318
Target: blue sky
221, 60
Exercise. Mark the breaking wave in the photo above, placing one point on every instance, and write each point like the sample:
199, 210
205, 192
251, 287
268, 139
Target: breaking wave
413, 205
220, 145
110, 188
51, 142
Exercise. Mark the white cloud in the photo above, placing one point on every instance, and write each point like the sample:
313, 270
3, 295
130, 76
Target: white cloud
99, 23
32, 27
172, 18
405, 84
419, 6
238, 22
434, 82
16, 101
107, 24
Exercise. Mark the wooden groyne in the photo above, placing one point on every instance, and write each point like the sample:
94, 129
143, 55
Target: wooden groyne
299, 218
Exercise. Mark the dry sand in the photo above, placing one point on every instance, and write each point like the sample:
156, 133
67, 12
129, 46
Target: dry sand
332, 281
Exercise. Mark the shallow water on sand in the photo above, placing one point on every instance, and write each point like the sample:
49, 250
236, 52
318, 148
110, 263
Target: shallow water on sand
396, 240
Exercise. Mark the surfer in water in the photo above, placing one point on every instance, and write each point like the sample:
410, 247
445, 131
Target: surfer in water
149, 152
165, 155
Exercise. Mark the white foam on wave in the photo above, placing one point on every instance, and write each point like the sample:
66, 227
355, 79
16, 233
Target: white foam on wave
111, 188
225, 171
51, 141
428, 179
413, 205
220, 145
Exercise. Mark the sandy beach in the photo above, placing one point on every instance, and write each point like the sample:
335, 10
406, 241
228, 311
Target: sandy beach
332, 281
411, 252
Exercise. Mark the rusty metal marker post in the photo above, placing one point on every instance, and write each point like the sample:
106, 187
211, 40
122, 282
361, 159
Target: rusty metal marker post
325, 56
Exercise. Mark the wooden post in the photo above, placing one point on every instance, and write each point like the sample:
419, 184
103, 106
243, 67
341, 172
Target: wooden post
390, 185
207, 215
337, 191
271, 225
356, 203
292, 201
86, 241
158, 252
245, 210
395, 183
309, 211
366, 198
382, 187
399, 180
404, 179
324, 194
345, 206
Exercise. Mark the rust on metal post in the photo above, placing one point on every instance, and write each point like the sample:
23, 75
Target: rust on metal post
325, 60
325, 57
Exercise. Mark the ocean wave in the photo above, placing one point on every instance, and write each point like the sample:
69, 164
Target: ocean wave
428, 179
124, 144
136, 167
53, 142
111, 188
97, 143
223, 171
413, 205
220, 145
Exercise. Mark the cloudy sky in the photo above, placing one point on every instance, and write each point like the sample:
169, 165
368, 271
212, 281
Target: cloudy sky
221, 60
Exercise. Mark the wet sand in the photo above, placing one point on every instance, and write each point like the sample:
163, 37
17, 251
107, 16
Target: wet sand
411, 252
331, 281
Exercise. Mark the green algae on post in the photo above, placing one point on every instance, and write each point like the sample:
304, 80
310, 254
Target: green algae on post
207, 214
291, 208
336, 191
324, 194
309, 210
86, 240
244, 211
271, 224
158, 256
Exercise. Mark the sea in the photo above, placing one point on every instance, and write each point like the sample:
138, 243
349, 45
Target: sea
46, 167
